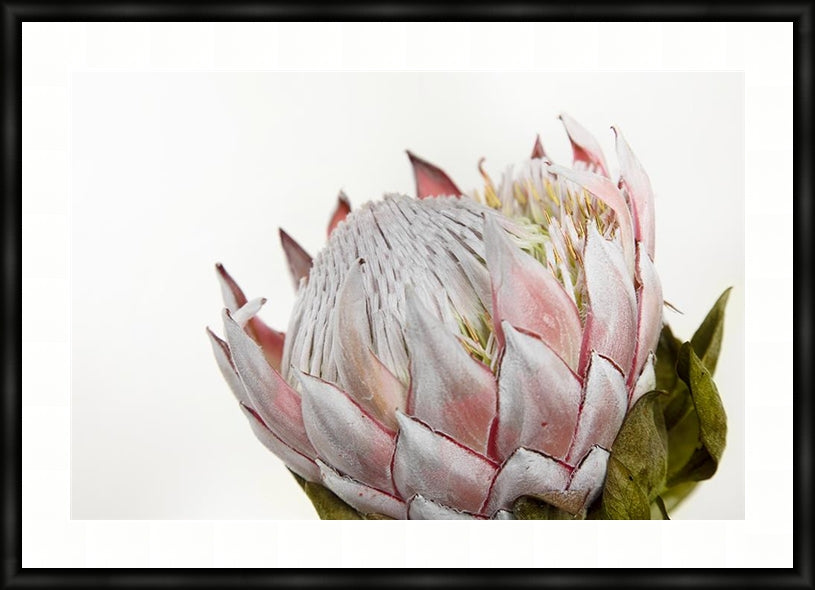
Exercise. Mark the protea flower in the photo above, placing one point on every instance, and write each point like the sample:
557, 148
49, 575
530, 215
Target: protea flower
452, 353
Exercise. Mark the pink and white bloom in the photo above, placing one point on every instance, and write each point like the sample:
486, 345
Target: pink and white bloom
450, 353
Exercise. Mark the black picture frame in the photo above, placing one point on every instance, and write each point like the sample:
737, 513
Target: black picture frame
15, 13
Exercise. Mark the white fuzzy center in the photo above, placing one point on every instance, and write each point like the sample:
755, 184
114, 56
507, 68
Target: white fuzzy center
433, 245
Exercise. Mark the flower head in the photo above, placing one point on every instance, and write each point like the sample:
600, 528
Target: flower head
452, 353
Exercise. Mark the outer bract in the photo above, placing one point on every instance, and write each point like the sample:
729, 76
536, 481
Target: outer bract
450, 353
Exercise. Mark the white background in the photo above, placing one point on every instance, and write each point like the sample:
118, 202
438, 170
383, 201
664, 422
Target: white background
173, 171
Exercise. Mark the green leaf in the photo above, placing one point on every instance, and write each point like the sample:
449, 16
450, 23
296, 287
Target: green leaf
677, 403
376, 516
658, 510
532, 508
666, 354
327, 504
642, 444
683, 439
623, 498
707, 341
710, 415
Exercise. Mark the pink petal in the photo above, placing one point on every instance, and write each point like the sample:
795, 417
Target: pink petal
224, 359
340, 212
437, 467
611, 320
298, 259
273, 399
538, 398
430, 180
638, 186
604, 190
420, 508
590, 474
361, 373
605, 402
525, 472
268, 338
646, 382
528, 296
450, 390
363, 498
297, 462
584, 146
650, 304
346, 436
537, 151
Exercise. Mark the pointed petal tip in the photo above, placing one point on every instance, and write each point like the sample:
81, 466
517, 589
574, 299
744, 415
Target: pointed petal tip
300, 376
231, 292
404, 421
341, 210
298, 259
431, 181
537, 149
584, 146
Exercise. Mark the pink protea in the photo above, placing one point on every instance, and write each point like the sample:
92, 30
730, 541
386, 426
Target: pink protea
450, 354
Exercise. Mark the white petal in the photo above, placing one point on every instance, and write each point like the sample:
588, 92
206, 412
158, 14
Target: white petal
363, 498
604, 406
276, 402
345, 436
450, 390
361, 374
297, 462
438, 468
649, 309
647, 381
224, 359
525, 472
611, 322
538, 398
528, 296
420, 508
503, 515
247, 311
590, 474
635, 181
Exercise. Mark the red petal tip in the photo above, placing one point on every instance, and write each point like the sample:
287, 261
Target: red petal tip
431, 181
537, 150
341, 211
